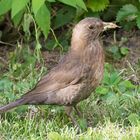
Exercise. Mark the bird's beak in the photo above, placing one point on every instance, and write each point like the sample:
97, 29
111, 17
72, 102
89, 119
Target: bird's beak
109, 25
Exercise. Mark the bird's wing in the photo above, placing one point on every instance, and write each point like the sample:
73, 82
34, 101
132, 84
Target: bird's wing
66, 73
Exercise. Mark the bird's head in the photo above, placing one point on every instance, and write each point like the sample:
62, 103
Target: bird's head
90, 29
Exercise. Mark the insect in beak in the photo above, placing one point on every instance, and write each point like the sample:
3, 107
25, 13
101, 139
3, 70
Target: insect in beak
109, 25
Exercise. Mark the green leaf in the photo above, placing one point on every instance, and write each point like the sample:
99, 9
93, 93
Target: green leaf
43, 19
17, 6
114, 49
97, 5
106, 78
75, 3
5, 83
115, 52
36, 4
5, 6
127, 84
102, 90
81, 4
69, 2
114, 78
51, 0
125, 11
17, 18
66, 14
138, 20
124, 50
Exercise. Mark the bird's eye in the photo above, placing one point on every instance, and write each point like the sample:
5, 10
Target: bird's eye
91, 27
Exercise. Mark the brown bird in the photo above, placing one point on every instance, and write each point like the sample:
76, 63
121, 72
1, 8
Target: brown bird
76, 75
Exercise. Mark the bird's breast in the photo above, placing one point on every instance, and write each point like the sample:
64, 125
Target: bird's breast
94, 58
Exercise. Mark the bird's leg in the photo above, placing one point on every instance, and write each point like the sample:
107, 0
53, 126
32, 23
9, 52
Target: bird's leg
69, 110
78, 111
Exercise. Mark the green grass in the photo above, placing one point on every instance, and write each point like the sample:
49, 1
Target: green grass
111, 112
39, 128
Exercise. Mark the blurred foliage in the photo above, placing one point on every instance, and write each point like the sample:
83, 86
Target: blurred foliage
129, 14
119, 95
32, 18
22, 74
117, 50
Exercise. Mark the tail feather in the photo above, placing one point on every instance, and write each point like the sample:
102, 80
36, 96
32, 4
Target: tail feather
12, 105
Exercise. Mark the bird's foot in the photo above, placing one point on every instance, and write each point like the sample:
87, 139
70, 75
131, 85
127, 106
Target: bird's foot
69, 110
78, 111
